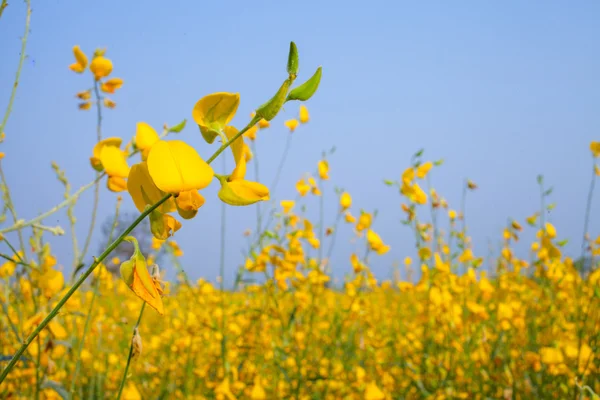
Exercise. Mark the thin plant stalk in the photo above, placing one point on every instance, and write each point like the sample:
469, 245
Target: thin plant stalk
137, 324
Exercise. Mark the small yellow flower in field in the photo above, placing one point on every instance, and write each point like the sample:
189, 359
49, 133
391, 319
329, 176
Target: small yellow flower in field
86, 95
176, 167
328, 231
452, 214
81, 60
597, 170
263, 123
414, 193
302, 187
135, 274
215, 111
291, 124
108, 156
471, 185
108, 103
188, 203
304, 116
145, 138
130, 392
551, 355
423, 169
372, 392
515, 225
101, 67
323, 170
111, 85
2, 155
440, 265
287, 205
251, 133
375, 243
595, 148
424, 253
466, 256
349, 217
235, 190
550, 230
85, 106
532, 219
345, 201
116, 260
357, 266
364, 221
258, 392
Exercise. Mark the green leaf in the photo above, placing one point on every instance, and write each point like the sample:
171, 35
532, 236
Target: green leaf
271, 108
179, 127
419, 153
307, 89
551, 206
292, 65
388, 182
562, 242
438, 162
548, 192
540, 179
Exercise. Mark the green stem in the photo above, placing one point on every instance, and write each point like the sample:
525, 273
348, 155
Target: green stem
130, 352
233, 139
11, 207
76, 285
257, 179
19, 68
222, 252
88, 239
588, 209
86, 327
3, 6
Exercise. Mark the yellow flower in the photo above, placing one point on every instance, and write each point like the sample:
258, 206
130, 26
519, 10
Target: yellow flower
108, 103
130, 392
304, 117
188, 203
263, 123
375, 243
323, 170
111, 85
595, 148
213, 112
287, 205
108, 156
85, 95
176, 167
101, 67
551, 355
345, 200
440, 265
550, 230
145, 137
235, 190
251, 133
302, 187
423, 169
81, 60
135, 274
258, 392
372, 392
292, 124
85, 106
349, 217
364, 221
452, 214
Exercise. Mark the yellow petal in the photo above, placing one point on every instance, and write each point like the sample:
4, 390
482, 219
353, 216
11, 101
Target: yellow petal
101, 67
116, 184
162, 225
188, 203
214, 112
76, 67
304, 117
345, 200
237, 147
292, 124
145, 136
251, 133
111, 85
242, 193
176, 167
114, 162
80, 56
142, 189
111, 141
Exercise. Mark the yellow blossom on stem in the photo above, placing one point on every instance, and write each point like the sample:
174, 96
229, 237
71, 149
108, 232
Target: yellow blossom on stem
111, 85
345, 200
423, 169
375, 243
85, 95
145, 138
81, 60
101, 67
85, 106
595, 149
287, 205
291, 124
323, 169
108, 103
304, 116
213, 112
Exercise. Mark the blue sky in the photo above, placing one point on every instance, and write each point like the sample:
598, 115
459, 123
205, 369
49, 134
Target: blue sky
502, 91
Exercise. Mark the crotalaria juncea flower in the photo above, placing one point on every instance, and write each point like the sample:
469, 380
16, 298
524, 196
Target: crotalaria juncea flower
145, 137
213, 112
101, 66
111, 85
81, 61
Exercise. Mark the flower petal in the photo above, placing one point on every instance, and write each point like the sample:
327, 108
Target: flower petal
114, 162
213, 112
176, 167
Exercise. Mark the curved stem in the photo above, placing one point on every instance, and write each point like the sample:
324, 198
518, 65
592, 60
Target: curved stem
130, 352
257, 179
75, 286
588, 209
